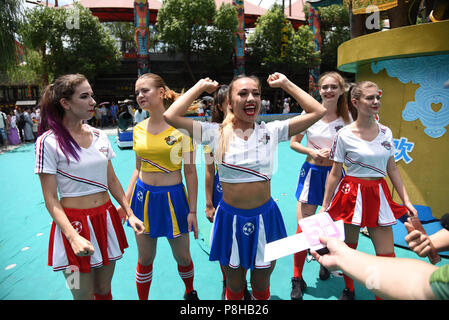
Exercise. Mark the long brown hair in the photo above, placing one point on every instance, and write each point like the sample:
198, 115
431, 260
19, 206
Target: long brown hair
52, 112
342, 106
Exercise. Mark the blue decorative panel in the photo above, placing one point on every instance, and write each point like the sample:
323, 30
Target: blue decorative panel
431, 105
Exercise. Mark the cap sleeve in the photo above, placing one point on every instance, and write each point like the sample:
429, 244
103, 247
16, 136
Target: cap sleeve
46, 157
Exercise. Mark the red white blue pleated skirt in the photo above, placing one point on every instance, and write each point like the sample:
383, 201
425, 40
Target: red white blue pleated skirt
101, 226
365, 203
239, 236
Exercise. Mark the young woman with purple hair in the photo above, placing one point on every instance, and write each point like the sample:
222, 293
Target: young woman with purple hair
74, 160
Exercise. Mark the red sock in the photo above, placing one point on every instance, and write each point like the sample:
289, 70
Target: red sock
231, 295
107, 296
349, 283
144, 276
299, 259
261, 295
186, 274
389, 255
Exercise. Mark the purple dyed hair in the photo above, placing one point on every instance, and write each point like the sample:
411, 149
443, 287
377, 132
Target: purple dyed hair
52, 112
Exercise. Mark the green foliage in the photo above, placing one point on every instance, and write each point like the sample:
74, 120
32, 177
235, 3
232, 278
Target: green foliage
74, 41
9, 24
220, 43
265, 44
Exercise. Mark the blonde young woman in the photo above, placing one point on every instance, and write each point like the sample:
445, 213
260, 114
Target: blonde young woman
362, 198
316, 168
247, 217
156, 191
74, 160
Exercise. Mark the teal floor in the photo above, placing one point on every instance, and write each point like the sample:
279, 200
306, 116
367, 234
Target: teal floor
25, 227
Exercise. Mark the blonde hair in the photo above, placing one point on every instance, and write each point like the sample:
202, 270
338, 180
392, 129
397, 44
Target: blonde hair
342, 106
227, 126
169, 95
355, 92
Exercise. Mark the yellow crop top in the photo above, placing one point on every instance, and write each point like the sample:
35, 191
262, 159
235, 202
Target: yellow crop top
161, 152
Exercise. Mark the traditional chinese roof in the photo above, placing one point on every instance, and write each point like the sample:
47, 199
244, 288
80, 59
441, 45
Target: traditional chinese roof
123, 10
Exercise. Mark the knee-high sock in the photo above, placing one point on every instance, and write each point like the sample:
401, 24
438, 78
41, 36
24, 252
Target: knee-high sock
107, 296
187, 274
349, 283
261, 295
231, 295
299, 259
389, 255
144, 276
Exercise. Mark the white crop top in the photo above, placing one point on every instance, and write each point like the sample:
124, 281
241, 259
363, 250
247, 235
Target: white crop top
251, 160
363, 158
78, 178
321, 134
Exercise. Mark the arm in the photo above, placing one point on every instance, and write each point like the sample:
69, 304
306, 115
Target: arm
192, 190
387, 278
396, 180
314, 110
419, 242
209, 188
295, 144
79, 244
175, 114
332, 181
116, 190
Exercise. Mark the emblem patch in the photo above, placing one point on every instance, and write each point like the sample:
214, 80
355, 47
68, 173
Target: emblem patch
248, 228
170, 140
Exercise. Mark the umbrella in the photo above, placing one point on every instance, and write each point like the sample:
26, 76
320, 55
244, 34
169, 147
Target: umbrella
103, 103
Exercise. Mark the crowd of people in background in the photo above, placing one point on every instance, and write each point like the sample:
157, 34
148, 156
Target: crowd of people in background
18, 125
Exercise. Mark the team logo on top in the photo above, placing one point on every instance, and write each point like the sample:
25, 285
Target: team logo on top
265, 138
346, 188
77, 226
386, 145
104, 150
338, 127
170, 140
140, 196
248, 228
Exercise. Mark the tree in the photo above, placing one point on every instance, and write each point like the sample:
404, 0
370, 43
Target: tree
9, 23
70, 41
265, 44
220, 43
183, 24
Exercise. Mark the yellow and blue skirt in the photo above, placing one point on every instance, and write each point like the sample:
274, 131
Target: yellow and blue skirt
162, 209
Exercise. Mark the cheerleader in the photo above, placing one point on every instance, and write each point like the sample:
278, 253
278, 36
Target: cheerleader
247, 217
156, 191
74, 160
362, 198
316, 168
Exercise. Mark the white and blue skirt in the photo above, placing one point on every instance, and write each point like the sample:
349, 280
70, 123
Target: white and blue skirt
162, 209
239, 236
312, 183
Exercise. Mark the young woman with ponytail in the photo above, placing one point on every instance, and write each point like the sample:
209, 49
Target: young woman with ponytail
74, 160
247, 217
316, 168
362, 198
156, 192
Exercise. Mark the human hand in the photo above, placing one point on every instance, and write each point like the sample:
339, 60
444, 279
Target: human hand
412, 210
337, 249
208, 85
277, 80
417, 241
136, 224
81, 246
193, 224
122, 214
319, 154
210, 213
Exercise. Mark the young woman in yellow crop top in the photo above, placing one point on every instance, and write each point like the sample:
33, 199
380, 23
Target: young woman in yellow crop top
156, 191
